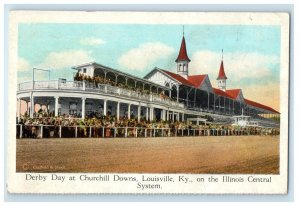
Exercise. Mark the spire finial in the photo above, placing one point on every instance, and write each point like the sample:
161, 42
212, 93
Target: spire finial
222, 54
183, 30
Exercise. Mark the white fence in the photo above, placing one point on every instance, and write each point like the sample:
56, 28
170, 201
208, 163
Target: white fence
103, 88
45, 131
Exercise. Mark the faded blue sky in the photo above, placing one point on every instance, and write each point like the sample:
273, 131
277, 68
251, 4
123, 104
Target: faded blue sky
251, 53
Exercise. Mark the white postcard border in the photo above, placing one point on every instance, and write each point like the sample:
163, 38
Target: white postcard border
16, 182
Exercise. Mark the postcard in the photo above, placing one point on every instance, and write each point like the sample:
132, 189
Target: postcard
148, 102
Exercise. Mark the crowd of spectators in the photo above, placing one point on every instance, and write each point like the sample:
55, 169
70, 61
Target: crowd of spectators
100, 80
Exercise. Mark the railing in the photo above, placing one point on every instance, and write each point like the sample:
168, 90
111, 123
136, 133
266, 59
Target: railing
51, 131
88, 86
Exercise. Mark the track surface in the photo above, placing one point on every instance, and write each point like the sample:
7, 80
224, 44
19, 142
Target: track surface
240, 154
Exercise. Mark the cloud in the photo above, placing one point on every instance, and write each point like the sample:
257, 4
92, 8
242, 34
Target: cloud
92, 41
60, 62
23, 64
238, 66
66, 59
145, 55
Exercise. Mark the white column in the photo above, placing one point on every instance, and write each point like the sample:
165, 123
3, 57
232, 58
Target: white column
31, 105
19, 109
177, 93
147, 113
56, 107
139, 113
83, 108
173, 115
118, 110
83, 85
163, 114
104, 107
168, 115
128, 111
183, 117
151, 113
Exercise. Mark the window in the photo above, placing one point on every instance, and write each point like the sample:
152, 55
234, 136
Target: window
84, 70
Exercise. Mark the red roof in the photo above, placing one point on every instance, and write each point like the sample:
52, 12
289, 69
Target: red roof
179, 78
234, 93
256, 104
222, 93
192, 81
197, 80
222, 74
182, 56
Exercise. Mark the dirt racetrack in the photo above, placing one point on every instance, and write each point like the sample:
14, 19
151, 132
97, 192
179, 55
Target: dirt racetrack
240, 154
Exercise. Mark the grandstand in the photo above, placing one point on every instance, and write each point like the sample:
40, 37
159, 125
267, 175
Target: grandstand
98, 90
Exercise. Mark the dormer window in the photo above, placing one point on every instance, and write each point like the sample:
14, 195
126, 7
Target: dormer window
84, 70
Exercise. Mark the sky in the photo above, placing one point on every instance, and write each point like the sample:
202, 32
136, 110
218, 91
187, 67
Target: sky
251, 53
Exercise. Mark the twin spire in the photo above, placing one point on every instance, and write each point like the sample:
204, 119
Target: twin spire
222, 74
182, 56
183, 60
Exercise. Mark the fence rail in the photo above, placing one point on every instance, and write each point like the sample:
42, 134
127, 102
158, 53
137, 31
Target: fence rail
102, 88
51, 131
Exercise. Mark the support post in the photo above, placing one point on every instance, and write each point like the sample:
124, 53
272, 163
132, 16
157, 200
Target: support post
177, 93
139, 113
224, 105
118, 110
42, 131
83, 108
173, 113
207, 101
31, 105
147, 113
195, 94
83, 85
21, 131
104, 107
19, 109
59, 131
151, 113
214, 102
219, 104
128, 111
56, 106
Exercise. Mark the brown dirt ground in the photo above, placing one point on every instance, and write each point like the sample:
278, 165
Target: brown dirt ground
227, 155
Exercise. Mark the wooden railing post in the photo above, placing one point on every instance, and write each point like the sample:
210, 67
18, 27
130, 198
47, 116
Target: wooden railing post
21, 131
59, 131
42, 128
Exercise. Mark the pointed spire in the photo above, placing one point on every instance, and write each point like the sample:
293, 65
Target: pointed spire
222, 74
222, 54
182, 56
